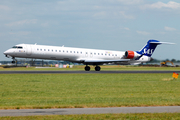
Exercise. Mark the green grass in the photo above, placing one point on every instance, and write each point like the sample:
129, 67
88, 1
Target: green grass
20, 91
144, 116
103, 67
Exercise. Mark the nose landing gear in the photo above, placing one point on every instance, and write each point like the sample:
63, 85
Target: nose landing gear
14, 60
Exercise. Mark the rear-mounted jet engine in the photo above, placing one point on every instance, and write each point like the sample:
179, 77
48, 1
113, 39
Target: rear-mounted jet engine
131, 54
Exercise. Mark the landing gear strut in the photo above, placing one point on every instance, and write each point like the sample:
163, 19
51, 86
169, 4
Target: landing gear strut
14, 61
87, 68
97, 68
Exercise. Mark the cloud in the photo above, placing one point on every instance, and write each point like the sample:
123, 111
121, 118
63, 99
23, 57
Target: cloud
130, 1
169, 28
100, 14
3, 7
20, 33
22, 22
122, 13
160, 5
46, 24
143, 32
126, 28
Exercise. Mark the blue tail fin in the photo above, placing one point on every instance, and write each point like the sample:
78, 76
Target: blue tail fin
149, 48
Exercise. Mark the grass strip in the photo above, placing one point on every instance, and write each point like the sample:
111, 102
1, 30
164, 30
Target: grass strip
144, 116
22, 91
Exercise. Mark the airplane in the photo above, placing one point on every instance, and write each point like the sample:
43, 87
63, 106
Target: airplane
86, 56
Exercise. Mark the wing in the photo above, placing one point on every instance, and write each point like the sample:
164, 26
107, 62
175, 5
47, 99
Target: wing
103, 61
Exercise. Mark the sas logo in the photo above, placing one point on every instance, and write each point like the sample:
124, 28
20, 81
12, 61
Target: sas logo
21, 51
108, 52
148, 51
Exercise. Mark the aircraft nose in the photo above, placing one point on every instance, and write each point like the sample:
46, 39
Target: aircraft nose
7, 52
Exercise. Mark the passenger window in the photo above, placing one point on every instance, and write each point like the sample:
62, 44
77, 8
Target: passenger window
59, 50
44, 49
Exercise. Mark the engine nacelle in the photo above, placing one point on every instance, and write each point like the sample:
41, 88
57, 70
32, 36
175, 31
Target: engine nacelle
131, 54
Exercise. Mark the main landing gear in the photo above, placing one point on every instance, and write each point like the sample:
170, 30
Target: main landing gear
87, 68
97, 68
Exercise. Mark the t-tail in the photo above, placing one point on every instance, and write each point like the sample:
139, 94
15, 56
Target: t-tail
147, 50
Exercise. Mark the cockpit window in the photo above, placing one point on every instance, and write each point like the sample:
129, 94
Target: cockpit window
14, 47
19, 47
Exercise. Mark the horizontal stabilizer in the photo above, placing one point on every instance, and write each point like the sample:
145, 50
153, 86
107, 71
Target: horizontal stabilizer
158, 42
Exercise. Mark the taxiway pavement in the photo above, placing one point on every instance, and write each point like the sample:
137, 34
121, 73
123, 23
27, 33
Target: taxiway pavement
80, 72
72, 111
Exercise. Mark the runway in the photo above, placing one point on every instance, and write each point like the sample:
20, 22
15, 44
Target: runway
72, 111
81, 72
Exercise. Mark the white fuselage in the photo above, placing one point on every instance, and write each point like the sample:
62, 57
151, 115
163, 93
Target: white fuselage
78, 55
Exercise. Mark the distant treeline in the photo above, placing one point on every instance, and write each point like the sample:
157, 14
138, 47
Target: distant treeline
156, 60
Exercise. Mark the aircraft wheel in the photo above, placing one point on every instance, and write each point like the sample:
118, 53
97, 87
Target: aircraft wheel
97, 68
87, 68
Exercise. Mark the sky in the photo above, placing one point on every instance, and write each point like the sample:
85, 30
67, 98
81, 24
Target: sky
119, 25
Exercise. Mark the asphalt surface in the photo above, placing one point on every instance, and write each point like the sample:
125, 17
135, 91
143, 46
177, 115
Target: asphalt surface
80, 72
72, 111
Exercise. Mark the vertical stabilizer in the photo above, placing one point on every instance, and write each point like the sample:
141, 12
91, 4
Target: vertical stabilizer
149, 48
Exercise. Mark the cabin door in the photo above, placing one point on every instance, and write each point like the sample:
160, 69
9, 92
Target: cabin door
28, 50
